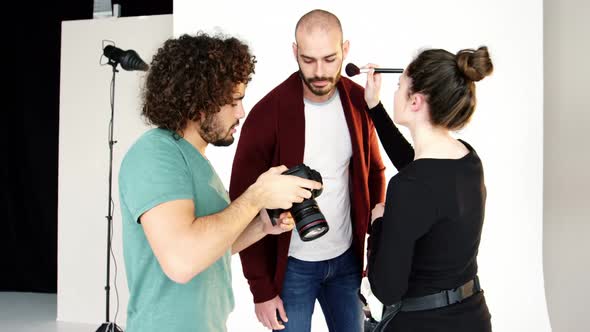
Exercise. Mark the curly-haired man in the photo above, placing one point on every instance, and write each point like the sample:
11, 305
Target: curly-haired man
179, 228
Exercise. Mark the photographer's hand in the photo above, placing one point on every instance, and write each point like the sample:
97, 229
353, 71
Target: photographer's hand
283, 223
272, 190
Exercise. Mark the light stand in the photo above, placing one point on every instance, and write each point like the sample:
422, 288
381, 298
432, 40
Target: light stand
109, 326
129, 60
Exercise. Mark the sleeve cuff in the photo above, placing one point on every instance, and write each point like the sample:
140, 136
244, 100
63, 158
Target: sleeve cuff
371, 110
262, 290
372, 241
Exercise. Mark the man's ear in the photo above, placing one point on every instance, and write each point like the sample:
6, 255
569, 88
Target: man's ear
200, 116
295, 49
345, 48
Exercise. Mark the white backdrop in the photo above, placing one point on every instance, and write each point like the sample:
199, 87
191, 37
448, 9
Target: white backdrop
507, 129
84, 157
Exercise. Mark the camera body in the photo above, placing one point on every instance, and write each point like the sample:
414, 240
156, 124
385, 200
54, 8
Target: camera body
309, 220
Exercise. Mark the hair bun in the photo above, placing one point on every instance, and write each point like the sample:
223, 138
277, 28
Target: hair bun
475, 64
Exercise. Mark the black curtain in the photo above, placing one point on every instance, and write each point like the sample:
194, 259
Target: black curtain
28, 243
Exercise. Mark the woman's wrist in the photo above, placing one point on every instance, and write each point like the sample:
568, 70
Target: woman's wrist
372, 105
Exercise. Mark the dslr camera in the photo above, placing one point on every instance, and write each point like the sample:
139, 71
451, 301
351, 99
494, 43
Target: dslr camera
309, 220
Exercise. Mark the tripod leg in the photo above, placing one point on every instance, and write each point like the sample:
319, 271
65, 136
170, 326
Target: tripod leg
109, 327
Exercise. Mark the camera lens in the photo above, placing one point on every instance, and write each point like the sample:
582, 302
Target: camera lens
309, 220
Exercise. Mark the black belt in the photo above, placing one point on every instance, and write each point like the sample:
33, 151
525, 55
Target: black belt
442, 299
428, 302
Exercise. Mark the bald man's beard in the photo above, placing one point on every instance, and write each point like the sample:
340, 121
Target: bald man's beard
325, 90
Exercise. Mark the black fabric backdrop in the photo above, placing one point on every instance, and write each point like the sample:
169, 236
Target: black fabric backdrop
28, 242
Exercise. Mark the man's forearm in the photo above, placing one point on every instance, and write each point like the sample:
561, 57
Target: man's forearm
251, 234
185, 248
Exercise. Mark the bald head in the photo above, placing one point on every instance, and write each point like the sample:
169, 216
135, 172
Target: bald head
318, 20
319, 50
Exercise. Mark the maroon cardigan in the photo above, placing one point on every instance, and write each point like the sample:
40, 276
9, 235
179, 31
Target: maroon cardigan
274, 134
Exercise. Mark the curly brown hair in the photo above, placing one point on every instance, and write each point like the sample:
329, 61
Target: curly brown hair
191, 75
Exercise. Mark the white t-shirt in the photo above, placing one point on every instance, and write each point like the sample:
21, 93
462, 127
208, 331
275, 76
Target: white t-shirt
328, 150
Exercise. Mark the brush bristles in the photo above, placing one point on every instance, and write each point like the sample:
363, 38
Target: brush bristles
352, 70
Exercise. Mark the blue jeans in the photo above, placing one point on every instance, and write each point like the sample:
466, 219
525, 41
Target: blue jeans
334, 283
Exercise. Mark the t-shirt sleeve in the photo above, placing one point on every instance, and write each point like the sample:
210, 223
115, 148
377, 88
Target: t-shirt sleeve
153, 172
409, 214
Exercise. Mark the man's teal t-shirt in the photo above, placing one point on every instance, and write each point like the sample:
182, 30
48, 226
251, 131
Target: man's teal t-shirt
162, 167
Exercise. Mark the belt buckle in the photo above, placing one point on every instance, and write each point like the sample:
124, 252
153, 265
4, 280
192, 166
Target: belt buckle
454, 295
460, 293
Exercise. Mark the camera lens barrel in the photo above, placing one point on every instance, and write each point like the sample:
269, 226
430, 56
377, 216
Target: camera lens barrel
309, 220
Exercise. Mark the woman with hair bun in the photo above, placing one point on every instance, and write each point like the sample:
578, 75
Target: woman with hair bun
422, 259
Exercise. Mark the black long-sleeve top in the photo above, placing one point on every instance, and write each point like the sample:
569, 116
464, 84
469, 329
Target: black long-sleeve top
397, 148
428, 237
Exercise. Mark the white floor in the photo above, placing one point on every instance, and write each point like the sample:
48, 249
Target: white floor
34, 312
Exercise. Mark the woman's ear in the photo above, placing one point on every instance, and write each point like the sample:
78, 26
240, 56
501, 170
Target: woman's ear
417, 102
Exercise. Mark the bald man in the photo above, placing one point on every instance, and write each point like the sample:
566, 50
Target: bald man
318, 118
